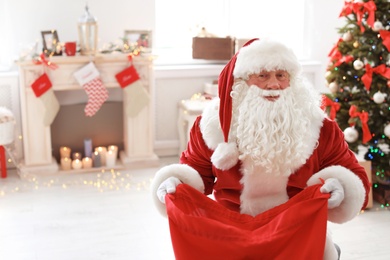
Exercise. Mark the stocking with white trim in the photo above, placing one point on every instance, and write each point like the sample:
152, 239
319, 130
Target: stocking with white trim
89, 78
43, 90
135, 96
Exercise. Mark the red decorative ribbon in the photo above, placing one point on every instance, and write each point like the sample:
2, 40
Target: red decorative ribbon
385, 35
339, 58
42, 60
334, 106
360, 9
353, 112
334, 50
370, 8
367, 77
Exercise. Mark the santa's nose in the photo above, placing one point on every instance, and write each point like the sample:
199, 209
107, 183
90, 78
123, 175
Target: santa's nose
273, 83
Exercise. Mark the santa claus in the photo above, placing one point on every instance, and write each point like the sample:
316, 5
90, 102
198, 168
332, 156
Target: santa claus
264, 140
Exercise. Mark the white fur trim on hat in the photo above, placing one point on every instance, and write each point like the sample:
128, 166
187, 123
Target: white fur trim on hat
225, 156
183, 172
354, 192
265, 54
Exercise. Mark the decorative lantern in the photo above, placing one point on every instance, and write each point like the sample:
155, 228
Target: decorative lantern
88, 31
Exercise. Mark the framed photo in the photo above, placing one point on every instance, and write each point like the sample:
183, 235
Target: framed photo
139, 40
51, 43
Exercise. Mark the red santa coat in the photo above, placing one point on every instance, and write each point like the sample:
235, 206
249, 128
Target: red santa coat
331, 150
327, 156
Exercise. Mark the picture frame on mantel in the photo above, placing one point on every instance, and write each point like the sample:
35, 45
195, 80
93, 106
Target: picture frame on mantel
51, 45
139, 39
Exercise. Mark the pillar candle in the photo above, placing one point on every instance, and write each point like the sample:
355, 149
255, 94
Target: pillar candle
65, 152
96, 159
88, 147
110, 159
77, 164
113, 148
66, 164
87, 163
102, 151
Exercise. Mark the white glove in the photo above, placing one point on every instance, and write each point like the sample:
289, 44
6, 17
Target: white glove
167, 186
333, 186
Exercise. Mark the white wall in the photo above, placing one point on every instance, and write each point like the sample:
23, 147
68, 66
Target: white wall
21, 22
323, 21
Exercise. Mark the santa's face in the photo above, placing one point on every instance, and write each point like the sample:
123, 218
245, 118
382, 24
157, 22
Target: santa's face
271, 132
270, 80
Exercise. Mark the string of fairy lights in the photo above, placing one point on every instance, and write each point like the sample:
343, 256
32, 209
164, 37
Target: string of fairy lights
103, 180
106, 180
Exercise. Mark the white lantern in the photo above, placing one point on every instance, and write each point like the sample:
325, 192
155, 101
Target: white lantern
88, 32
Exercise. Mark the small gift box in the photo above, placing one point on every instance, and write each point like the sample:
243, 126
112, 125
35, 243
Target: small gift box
213, 48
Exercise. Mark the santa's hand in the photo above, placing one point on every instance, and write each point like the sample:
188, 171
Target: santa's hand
167, 186
334, 187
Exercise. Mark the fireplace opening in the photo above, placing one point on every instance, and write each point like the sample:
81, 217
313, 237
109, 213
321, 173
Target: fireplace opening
71, 126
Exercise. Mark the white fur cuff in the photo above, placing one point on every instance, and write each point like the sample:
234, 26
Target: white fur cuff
354, 192
183, 172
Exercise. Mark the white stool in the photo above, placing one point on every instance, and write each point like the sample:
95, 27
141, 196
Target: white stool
189, 110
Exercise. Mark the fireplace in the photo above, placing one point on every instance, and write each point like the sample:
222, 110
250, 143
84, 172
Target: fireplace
135, 137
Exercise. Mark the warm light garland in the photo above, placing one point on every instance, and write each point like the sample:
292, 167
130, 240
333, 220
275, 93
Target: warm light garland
103, 181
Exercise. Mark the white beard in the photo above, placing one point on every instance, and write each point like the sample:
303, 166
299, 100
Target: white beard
273, 137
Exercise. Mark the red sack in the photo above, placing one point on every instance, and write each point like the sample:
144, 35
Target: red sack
201, 228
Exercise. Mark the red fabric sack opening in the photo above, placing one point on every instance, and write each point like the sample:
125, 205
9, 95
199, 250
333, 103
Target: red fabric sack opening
203, 229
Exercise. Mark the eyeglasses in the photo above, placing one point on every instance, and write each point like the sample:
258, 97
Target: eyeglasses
280, 75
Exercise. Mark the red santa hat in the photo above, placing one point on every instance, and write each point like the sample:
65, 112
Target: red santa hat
254, 56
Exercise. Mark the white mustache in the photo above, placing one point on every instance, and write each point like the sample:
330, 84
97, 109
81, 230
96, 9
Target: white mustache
269, 93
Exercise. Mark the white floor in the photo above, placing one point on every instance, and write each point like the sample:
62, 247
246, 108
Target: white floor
110, 215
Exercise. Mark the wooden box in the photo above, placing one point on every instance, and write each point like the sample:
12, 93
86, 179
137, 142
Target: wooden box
367, 167
212, 48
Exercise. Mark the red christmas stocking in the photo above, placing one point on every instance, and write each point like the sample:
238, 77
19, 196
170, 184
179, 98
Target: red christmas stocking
89, 78
135, 96
43, 90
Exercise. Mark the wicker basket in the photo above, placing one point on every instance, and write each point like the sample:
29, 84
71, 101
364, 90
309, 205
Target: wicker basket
7, 132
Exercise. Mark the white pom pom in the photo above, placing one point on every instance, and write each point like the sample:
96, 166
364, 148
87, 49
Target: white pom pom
225, 156
351, 134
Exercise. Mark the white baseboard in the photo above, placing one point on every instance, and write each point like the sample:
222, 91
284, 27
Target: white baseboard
166, 148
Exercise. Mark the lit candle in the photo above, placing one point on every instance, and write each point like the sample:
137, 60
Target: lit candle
66, 164
88, 147
102, 151
76, 155
110, 158
65, 151
87, 163
113, 148
77, 164
96, 159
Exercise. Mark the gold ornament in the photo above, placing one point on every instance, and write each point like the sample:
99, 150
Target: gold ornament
356, 44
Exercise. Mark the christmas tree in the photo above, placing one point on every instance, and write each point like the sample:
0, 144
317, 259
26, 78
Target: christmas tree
358, 78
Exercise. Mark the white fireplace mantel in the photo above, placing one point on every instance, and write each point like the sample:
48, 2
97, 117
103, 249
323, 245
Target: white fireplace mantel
138, 130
